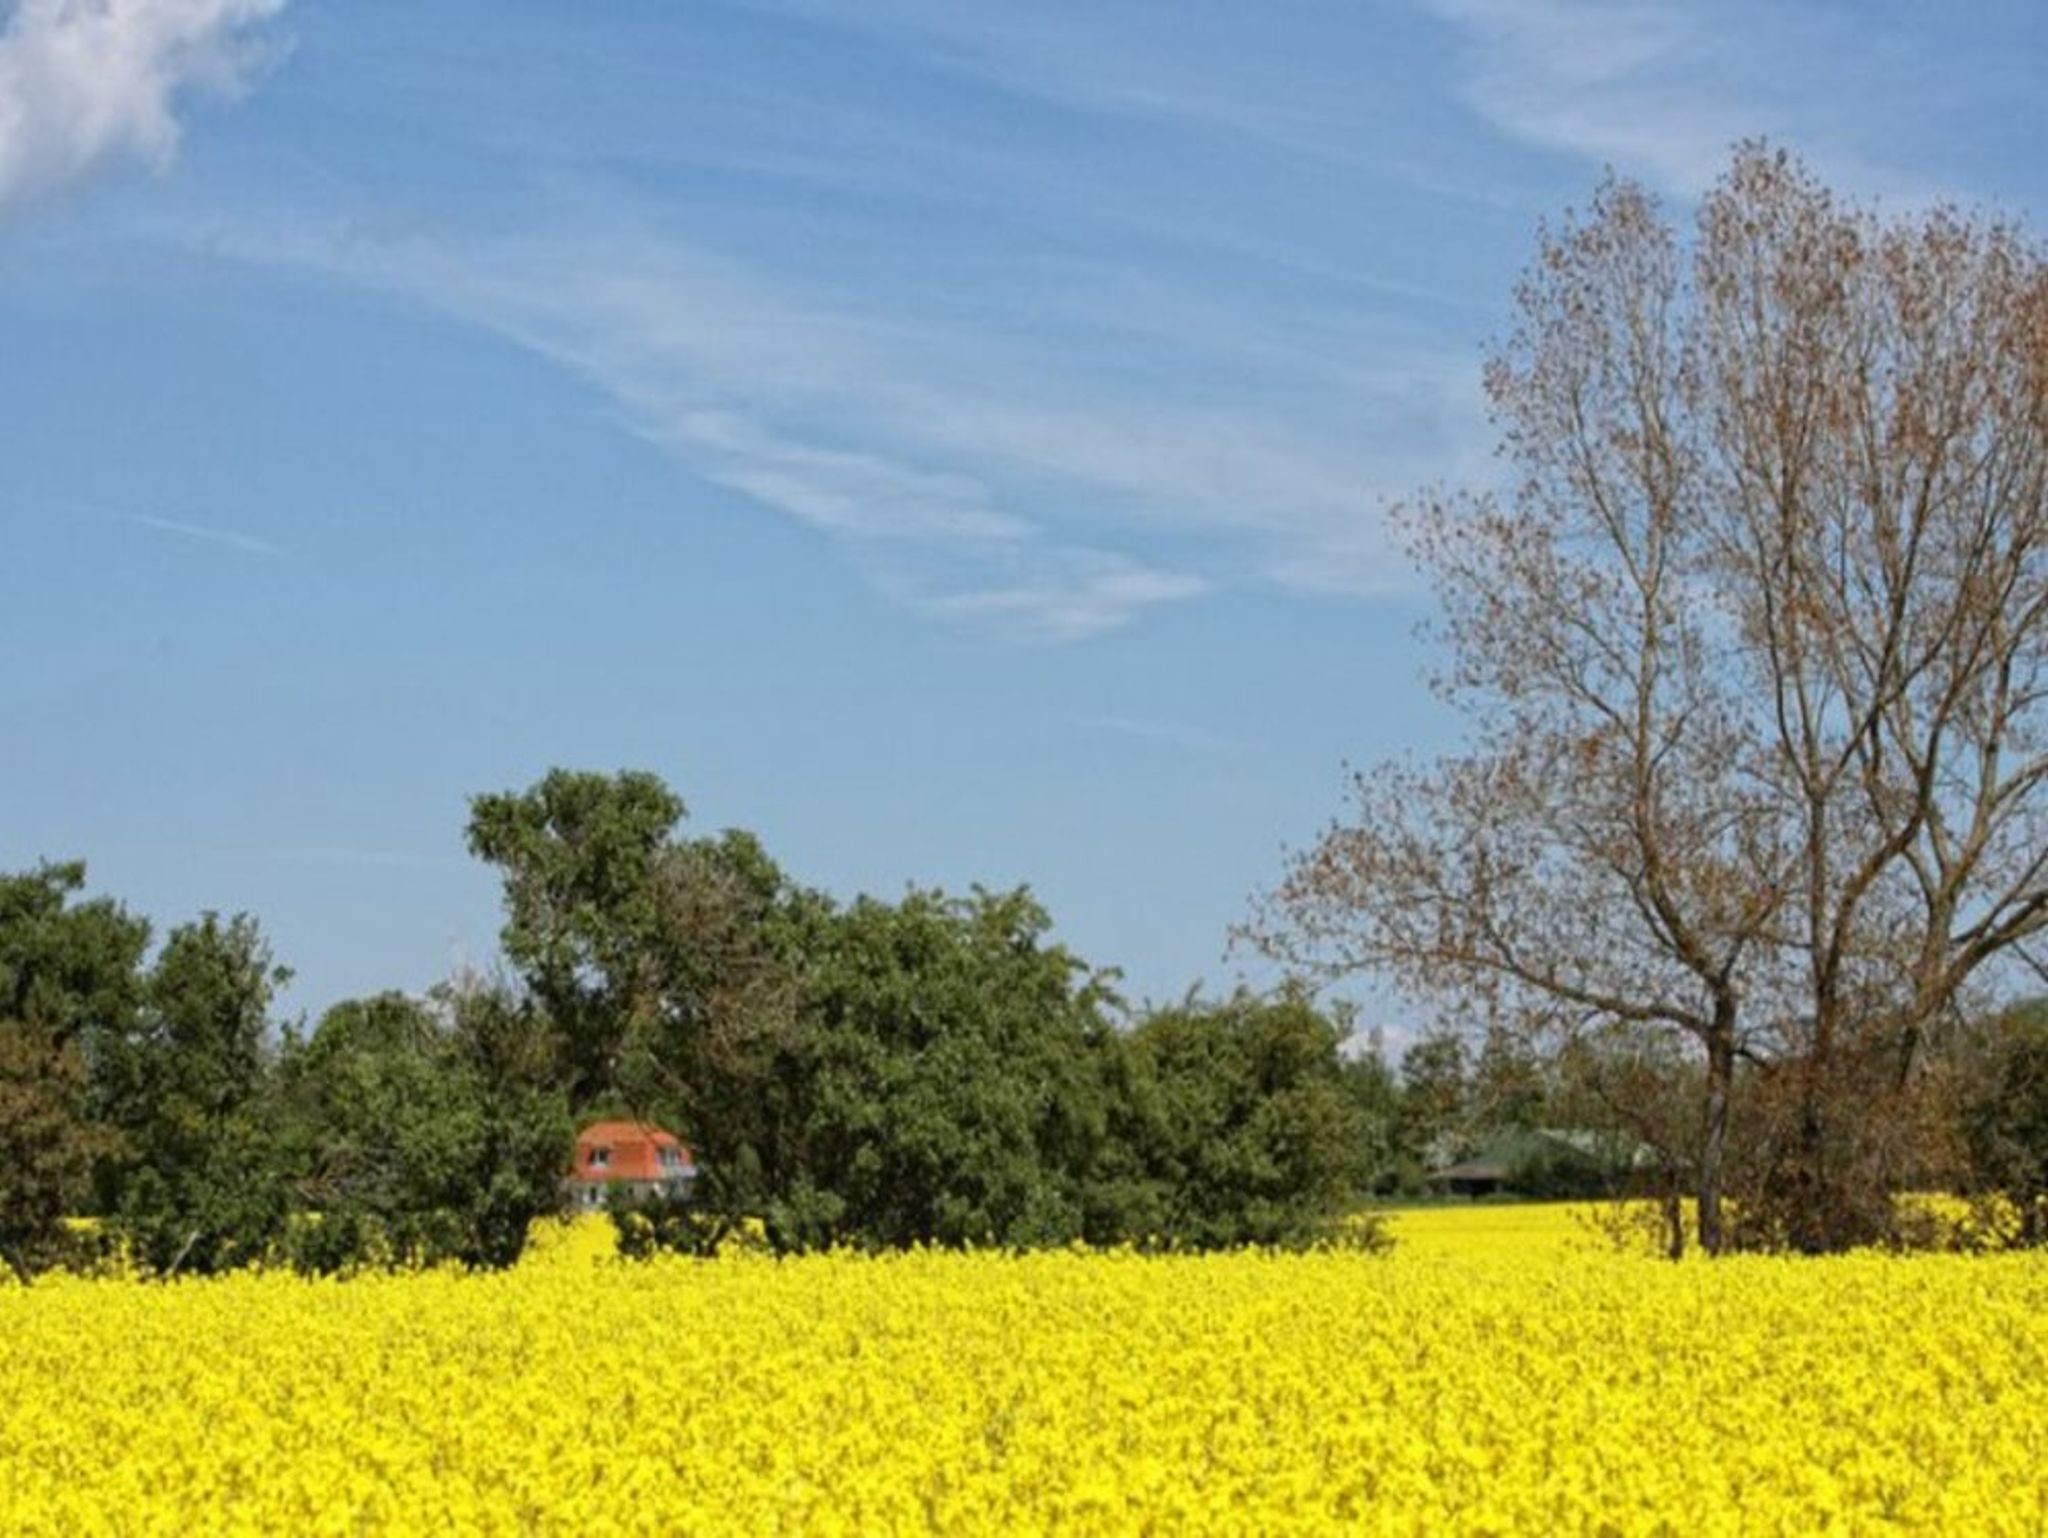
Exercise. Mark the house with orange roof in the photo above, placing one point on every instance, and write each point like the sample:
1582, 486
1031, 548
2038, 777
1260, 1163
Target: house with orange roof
634, 1158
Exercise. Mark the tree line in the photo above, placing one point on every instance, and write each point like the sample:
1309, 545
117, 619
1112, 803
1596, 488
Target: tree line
929, 1070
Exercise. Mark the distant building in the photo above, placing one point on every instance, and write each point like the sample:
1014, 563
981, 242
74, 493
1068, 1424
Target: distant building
1537, 1161
631, 1157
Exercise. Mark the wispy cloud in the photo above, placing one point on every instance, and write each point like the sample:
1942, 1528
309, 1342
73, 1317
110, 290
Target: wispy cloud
248, 544
852, 493
1064, 594
972, 481
1663, 91
1583, 78
82, 81
1022, 387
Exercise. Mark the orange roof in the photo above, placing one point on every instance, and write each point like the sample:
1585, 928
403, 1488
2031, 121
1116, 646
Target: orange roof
627, 1150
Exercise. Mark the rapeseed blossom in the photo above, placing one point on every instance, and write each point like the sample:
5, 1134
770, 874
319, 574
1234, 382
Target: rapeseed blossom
1497, 1374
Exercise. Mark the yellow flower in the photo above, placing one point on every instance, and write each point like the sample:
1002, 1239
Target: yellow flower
1499, 1373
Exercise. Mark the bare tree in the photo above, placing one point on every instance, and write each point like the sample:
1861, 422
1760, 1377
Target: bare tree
1752, 652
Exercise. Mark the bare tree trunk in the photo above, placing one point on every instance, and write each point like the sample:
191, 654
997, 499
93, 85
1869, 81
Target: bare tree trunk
1714, 1145
1812, 1215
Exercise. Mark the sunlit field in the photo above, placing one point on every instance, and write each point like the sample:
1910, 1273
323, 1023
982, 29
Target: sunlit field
1512, 1231
1495, 1374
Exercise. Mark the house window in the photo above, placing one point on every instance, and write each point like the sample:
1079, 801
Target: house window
600, 1158
670, 1159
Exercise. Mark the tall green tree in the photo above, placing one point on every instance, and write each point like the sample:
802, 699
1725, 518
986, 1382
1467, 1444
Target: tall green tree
423, 1130
378, 1122
669, 969
1376, 1093
1235, 1125
47, 1145
68, 985
1436, 1098
734, 1046
524, 1127
2005, 1113
953, 1079
583, 858
197, 1187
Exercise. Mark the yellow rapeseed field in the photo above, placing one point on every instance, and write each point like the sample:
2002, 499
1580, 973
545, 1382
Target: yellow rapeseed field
1495, 1374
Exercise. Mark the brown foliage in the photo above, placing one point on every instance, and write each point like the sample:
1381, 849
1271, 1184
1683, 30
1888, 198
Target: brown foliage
47, 1146
1754, 652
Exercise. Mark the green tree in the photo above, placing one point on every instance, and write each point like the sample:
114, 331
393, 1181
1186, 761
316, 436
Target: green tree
47, 1145
1508, 1090
1376, 1093
68, 983
583, 858
1236, 1116
423, 1130
669, 969
728, 1051
1436, 1097
953, 1084
378, 1123
524, 1129
931, 1070
197, 1187
2006, 1113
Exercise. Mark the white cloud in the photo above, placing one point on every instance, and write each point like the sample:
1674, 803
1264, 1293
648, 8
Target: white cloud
1262, 76
851, 493
704, 361
82, 81
1664, 92
965, 478
248, 544
1066, 595
1575, 76
979, 423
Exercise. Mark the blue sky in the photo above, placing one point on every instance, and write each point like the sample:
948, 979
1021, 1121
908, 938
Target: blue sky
950, 439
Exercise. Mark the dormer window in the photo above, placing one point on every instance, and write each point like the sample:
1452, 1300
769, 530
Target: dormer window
600, 1158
